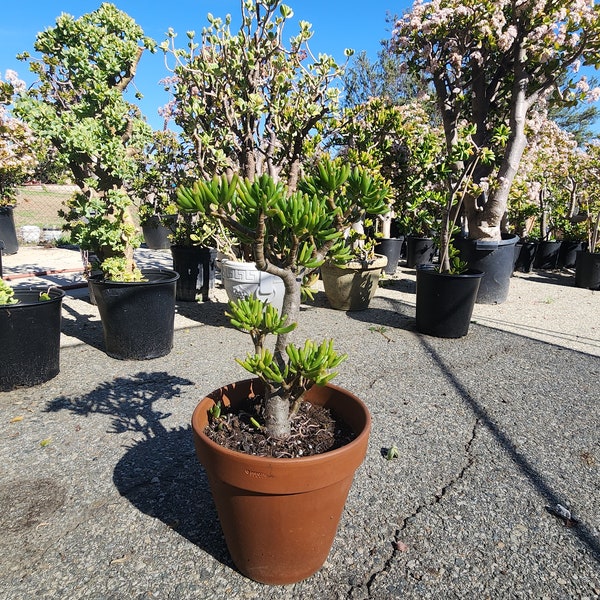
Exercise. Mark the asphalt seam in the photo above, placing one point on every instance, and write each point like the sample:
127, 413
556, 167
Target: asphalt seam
397, 544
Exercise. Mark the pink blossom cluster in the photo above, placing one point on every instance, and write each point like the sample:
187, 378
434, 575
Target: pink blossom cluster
17, 142
453, 35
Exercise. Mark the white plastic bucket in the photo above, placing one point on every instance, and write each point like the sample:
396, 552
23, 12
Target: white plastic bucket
242, 279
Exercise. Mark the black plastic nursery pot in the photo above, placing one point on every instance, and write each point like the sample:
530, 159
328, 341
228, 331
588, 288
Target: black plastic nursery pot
567, 257
445, 302
587, 270
390, 248
156, 235
30, 339
546, 257
524, 255
8, 232
138, 318
496, 259
419, 251
196, 268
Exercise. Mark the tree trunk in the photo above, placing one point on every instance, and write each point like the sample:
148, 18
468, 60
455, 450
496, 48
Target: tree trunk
485, 223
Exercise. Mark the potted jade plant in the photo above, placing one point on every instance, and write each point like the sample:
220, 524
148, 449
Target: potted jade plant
290, 233
496, 77
351, 273
251, 108
85, 67
446, 292
160, 167
30, 321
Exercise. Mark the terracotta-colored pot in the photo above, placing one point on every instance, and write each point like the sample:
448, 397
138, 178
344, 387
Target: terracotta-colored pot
280, 515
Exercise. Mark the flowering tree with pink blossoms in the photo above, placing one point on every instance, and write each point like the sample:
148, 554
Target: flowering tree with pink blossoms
490, 62
547, 185
17, 142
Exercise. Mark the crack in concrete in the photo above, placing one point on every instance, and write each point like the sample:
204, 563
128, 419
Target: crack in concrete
436, 499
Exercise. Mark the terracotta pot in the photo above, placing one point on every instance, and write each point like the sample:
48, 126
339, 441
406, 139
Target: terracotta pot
352, 286
280, 515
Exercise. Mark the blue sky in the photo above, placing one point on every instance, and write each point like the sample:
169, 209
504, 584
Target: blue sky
336, 24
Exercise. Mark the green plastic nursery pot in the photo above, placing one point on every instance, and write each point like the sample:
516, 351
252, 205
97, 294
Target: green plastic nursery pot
280, 515
138, 317
30, 339
445, 302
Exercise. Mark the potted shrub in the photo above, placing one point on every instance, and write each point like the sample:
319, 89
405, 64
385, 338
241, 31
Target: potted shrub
79, 107
529, 52
30, 321
159, 169
290, 233
351, 274
446, 293
254, 123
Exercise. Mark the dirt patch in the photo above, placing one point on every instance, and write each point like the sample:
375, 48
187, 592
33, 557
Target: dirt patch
25, 503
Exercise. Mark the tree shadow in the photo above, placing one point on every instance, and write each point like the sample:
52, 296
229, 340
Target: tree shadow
209, 312
159, 473
584, 532
83, 327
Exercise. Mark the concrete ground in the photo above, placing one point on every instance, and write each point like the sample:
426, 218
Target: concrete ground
101, 495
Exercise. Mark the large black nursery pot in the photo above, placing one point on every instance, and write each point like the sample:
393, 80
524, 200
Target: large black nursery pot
138, 317
445, 302
196, 267
587, 270
8, 232
419, 251
546, 257
390, 248
567, 257
30, 338
524, 255
156, 235
496, 259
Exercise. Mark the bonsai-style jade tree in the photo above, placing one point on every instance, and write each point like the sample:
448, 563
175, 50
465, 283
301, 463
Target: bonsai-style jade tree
86, 65
490, 62
290, 234
248, 104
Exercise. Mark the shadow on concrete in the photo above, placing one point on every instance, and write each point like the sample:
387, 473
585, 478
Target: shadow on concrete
535, 476
159, 473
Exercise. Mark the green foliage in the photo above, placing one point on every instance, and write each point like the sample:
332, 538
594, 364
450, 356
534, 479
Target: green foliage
78, 106
100, 223
246, 102
116, 268
305, 365
6, 293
